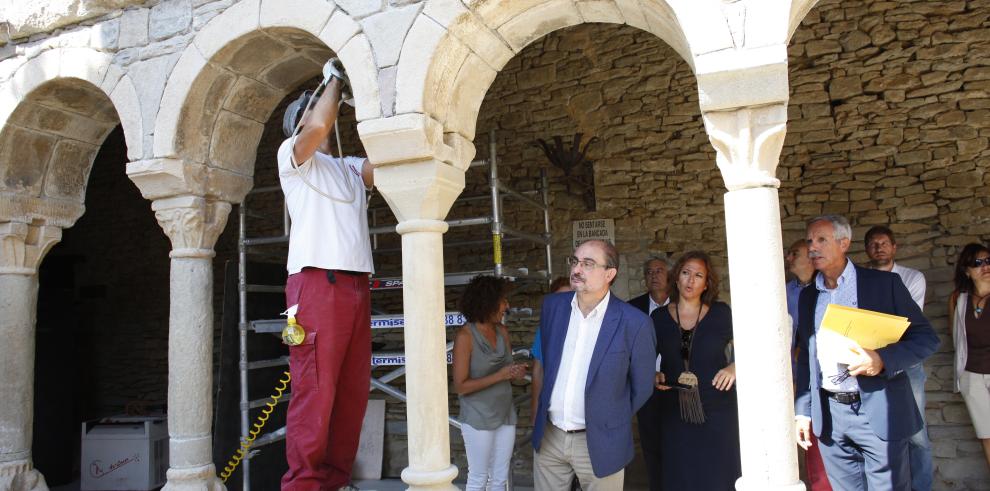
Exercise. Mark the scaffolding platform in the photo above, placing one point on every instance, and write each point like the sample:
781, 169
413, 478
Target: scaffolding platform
499, 233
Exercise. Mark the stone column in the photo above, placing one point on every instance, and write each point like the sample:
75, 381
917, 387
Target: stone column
22, 247
420, 194
193, 224
748, 143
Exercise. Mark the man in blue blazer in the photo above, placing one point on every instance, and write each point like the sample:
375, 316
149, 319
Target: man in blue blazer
599, 367
863, 412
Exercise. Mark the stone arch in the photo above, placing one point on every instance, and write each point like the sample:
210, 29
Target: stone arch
238, 68
55, 112
452, 54
799, 10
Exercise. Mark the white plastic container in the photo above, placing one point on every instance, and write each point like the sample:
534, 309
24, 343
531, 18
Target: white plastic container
124, 453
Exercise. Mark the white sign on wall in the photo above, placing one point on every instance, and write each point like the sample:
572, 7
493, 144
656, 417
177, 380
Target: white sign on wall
599, 228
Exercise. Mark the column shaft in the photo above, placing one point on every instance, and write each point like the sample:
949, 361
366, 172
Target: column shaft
192, 224
762, 332
190, 362
18, 309
426, 365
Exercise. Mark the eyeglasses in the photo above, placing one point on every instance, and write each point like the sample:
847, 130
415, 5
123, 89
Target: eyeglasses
586, 264
983, 261
656, 272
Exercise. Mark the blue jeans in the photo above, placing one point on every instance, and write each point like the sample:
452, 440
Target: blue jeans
919, 446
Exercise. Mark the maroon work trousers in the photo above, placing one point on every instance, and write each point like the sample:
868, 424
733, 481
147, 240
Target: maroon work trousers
331, 374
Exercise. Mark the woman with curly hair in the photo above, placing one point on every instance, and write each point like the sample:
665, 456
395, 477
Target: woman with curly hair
971, 336
483, 368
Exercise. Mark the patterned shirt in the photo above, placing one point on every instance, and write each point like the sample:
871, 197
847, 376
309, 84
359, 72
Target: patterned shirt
829, 347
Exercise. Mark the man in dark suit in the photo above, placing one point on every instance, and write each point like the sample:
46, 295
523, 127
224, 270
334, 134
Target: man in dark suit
599, 358
655, 275
859, 403
655, 272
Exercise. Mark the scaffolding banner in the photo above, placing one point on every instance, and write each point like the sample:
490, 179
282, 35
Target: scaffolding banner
450, 319
397, 359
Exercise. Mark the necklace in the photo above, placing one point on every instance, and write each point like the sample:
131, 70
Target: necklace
689, 397
977, 309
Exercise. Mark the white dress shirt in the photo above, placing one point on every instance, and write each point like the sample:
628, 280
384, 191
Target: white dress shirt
567, 399
833, 349
914, 281
654, 305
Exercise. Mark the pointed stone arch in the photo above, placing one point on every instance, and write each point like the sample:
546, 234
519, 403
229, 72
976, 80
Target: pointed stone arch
55, 112
234, 73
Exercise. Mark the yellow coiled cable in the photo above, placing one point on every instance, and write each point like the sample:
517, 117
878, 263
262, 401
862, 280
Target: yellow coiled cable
246, 442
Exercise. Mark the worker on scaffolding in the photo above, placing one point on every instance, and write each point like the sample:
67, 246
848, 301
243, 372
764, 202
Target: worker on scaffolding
327, 290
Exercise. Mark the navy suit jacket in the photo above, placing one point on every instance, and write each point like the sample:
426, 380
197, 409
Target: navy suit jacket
887, 397
620, 377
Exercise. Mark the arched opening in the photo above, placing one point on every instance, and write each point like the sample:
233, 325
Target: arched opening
96, 296
888, 125
103, 314
225, 109
231, 123
652, 172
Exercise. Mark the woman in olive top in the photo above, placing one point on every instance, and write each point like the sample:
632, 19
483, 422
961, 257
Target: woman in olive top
971, 336
482, 370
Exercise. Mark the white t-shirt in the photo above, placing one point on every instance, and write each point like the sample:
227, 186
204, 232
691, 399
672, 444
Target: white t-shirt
914, 280
326, 234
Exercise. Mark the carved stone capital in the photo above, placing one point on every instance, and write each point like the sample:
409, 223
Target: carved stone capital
16, 207
747, 143
164, 178
192, 223
422, 190
23, 246
413, 137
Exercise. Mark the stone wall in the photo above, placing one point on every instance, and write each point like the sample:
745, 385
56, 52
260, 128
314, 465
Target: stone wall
889, 124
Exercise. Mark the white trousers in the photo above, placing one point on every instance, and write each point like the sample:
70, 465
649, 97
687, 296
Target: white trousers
489, 453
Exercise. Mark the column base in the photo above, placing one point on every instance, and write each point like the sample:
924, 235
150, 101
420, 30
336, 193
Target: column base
20, 475
203, 478
742, 485
439, 480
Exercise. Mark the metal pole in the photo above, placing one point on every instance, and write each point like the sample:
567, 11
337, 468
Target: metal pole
286, 220
496, 206
374, 223
243, 332
545, 191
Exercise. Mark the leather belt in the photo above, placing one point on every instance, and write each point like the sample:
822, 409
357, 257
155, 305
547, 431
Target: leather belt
582, 430
843, 397
332, 278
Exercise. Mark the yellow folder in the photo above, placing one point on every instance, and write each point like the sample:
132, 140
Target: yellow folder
869, 329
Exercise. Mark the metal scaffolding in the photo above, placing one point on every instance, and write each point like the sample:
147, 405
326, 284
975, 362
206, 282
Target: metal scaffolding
535, 200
